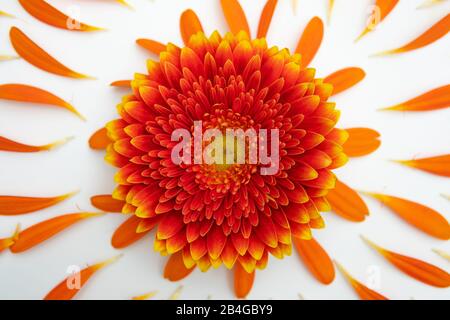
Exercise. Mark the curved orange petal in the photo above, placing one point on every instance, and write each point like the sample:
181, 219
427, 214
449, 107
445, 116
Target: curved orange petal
8, 242
235, 16
12, 146
310, 41
175, 269
42, 231
361, 142
437, 31
107, 203
48, 14
121, 83
25, 93
316, 259
69, 287
381, 10
438, 98
347, 203
126, 234
35, 55
417, 269
439, 165
420, 216
151, 45
363, 292
345, 79
12, 205
100, 140
243, 281
189, 25
266, 18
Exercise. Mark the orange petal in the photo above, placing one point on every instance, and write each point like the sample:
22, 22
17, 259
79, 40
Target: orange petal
266, 18
363, 292
435, 99
12, 146
100, 140
35, 55
42, 231
25, 93
433, 34
70, 286
330, 10
345, 79
310, 41
121, 83
107, 203
361, 142
381, 9
175, 269
145, 296
439, 165
235, 16
48, 14
8, 242
126, 234
12, 205
417, 269
243, 281
316, 259
347, 203
421, 217
151, 45
189, 25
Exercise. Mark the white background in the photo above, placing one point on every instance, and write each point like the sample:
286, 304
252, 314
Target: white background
113, 55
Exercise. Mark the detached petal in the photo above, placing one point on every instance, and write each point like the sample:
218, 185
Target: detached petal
107, 203
435, 99
151, 45
175, 269
100, 140
347, 203
12, 205
361, 142
310, 41
243, 281
266, 18
12, 146
8, 242
189, 25
345, 79
235, 16
381, 10
439, 165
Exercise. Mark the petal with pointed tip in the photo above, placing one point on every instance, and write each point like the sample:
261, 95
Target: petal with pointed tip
438, 98
345, 78
13, 205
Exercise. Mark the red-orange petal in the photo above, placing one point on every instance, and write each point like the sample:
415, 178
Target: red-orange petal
69, 287
439, 165
48, 14
151, 45
13, 205
100, 140
438, 98
121, 84
417, 269
107, 203
418, 215
44, 230
175, 269
243, 281
363, 292
189, 25
347, 203
36, 56
361, 142
126, 234
29, 94
316, 259
13, 146
235, 16
345, 79
380, 11
266, 18
437, 31
310, 41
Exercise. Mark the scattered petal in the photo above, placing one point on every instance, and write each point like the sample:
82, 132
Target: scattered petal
48, 14
330, 10
107, 203
36, 56
420, 216
42, 231
266, 18
29, 94
345, 79
433, 34
151, 45
439, 165
363, 292
347, 203
12, 146
243, 281
8, 242
125, 235
146, 296
235, 16
316, 259
310, 41
100, 140
417, 269
381, 10
189, 25
435, 99
121, 84
443, 254
175, 269
12, 205
361, 142
70, 286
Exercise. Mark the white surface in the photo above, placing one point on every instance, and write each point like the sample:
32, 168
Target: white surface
112, 55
